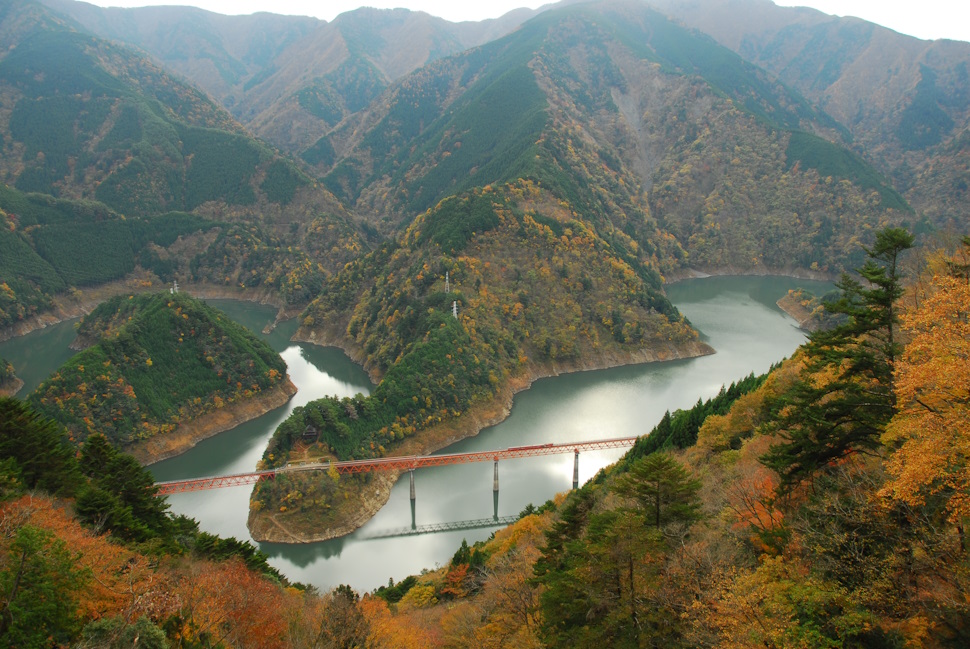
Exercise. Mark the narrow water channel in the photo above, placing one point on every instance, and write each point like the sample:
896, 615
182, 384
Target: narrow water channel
736, 315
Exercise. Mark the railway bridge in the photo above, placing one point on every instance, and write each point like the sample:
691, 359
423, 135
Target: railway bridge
403, 463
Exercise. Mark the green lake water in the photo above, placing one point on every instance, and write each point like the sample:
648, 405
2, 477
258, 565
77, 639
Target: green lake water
736, 315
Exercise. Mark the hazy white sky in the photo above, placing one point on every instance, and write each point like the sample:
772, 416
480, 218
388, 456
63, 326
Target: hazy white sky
924, 19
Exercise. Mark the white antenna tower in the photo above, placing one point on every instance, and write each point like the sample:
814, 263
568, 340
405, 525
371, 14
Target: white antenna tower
454, 309
175, 288
447, 283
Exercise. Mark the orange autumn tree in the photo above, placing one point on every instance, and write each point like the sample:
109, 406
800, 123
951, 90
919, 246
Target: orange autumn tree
417, 630
224, 602
120, 580
929, 432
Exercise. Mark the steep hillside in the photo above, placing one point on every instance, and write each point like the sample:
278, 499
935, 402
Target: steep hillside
904, 100
613, 108
159, 362
120, 143
342, 67
56, 251
289, 79
537, 292
52, 247
223, 55
75, 107
694, 540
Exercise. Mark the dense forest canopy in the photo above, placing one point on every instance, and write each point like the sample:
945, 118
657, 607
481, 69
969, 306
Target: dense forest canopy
158, 360
694, 540
691, 539
465, 208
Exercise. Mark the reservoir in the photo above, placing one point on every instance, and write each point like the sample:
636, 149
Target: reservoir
735, 315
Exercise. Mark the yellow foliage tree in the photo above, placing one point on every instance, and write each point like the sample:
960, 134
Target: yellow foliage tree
932, 454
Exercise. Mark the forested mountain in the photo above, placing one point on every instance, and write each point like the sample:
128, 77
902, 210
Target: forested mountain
905, 101
52, 246
104, 154
677, 150
289, 79
594, 127
902, 99
465, 208
637, 123
156, 361
220, 54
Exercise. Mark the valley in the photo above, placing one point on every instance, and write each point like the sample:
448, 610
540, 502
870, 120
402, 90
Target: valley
475, 212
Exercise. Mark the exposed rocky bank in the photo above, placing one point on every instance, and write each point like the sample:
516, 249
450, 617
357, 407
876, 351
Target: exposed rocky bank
269, 526
803, 316
67, 306
11, 387
190, 433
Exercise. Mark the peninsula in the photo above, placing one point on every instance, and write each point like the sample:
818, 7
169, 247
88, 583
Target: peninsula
163, 371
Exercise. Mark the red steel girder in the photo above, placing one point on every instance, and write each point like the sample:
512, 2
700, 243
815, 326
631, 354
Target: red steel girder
214, 482
420, 461
405, 463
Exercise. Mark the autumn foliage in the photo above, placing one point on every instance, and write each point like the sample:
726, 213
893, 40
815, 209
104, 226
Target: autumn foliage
868, 551
156, 361
929, 434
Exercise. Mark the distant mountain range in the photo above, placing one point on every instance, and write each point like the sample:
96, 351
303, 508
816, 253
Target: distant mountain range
716, 134
466, 208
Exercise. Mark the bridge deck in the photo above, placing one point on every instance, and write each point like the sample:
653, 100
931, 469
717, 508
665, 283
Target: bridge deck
404, 463
434, 528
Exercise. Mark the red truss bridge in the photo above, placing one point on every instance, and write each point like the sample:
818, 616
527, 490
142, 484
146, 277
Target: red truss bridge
405, 463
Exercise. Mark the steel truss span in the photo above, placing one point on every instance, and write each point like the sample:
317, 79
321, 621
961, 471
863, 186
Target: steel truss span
405, 463
434, 528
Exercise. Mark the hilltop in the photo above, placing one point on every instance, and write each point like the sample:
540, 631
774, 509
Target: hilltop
290, 79
112, 164
903, 99
164, 371
645, 128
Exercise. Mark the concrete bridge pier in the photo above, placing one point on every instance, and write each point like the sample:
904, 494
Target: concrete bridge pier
495, 480
411, 471
576, 469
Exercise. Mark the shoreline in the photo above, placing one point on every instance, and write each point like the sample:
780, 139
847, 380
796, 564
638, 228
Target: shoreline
266, 526
798, 313
67, 307
794, 273
470, 424
11, 387
190, 433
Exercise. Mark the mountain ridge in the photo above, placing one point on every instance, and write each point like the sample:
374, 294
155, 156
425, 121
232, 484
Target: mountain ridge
904, 99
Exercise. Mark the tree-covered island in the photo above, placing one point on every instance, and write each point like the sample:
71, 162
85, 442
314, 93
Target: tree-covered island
166, 370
